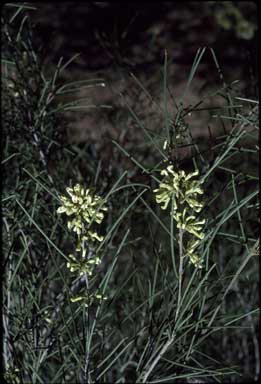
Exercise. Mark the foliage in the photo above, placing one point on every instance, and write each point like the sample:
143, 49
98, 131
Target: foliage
164, 319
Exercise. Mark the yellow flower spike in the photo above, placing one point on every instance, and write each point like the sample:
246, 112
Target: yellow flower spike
85, 209
184, 193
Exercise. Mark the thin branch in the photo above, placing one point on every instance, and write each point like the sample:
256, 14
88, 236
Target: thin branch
7, 346
181, 258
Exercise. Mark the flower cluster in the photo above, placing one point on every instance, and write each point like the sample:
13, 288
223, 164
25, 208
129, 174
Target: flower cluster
179, 189
12, 375
84, 209
82, 266
87, 299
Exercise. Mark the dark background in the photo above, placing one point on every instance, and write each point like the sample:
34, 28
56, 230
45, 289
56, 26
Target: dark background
136, 33
118, 38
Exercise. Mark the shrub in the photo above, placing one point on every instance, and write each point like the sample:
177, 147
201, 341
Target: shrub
154, 296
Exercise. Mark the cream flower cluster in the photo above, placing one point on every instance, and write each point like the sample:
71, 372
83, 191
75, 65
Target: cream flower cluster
84, 209
179, 189
87, 299
83, 265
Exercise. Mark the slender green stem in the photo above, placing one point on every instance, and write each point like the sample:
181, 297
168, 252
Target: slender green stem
156, 360
172, 238
87, 376
181, 258
171, 339
6, 345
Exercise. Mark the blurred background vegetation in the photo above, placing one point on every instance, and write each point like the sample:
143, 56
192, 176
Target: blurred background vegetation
116, 39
